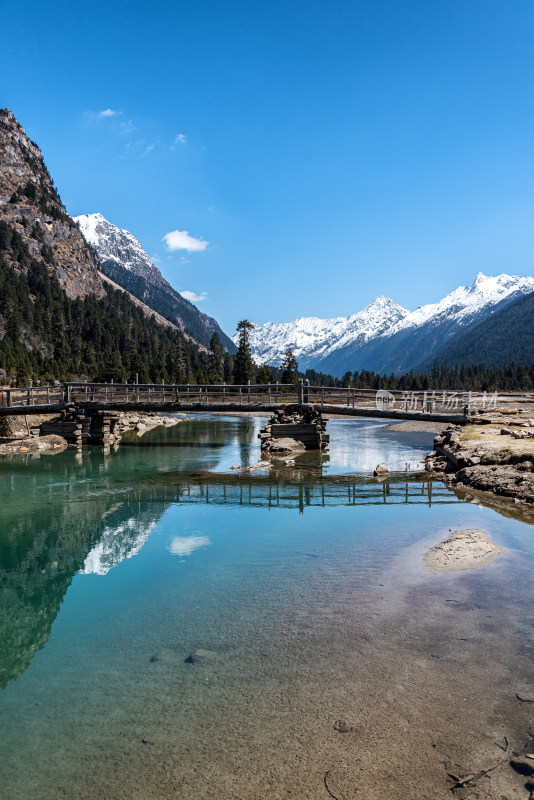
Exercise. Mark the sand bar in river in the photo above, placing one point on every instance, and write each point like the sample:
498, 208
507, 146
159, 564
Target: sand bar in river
466, 549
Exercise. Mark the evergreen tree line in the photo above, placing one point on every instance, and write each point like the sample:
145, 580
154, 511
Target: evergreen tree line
476, 378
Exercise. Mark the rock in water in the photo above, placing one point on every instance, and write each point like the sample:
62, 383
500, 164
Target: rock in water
201, 657
287, 446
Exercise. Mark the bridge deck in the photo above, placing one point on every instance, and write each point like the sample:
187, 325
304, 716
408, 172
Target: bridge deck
438, 406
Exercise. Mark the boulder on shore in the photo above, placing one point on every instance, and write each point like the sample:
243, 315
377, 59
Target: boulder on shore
380, 470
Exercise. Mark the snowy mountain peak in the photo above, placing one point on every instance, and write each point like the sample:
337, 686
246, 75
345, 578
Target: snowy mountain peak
385, 336
312, 337
119, 246
467, 301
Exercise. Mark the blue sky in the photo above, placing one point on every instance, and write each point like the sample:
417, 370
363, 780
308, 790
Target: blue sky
328, 152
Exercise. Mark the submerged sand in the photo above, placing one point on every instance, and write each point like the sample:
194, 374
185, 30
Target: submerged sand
399, 688
464, 549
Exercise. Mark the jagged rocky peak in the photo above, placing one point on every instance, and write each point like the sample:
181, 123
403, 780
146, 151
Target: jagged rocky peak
32, 209
118, 246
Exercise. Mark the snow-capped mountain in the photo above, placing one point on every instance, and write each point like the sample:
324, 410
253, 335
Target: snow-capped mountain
313, 339
385, 337
119, 249
124, 260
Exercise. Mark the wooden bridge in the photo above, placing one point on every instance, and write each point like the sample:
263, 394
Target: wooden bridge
439, 405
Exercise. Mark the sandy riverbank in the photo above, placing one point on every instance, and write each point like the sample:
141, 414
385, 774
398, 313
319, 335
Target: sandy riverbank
414, 426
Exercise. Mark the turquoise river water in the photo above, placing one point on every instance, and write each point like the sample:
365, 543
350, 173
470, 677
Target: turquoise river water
171, 627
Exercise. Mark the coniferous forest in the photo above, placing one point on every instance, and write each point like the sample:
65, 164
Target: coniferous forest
476, 378
49, 336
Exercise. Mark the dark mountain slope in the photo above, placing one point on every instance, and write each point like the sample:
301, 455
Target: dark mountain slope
507, 335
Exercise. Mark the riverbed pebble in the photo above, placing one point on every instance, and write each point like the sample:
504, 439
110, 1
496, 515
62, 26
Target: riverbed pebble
525, 697
201, 657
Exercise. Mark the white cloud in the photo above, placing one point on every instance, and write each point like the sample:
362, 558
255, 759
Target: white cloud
185, 545
193, 297
106, 113
180, 138
156, 259
181, 240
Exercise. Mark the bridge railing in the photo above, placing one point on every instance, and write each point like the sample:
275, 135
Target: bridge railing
439, 401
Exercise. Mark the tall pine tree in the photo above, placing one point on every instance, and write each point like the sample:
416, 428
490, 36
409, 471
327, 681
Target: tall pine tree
215, 366
290, 368
243, 365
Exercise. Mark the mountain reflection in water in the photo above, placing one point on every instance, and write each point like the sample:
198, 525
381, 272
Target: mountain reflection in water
85, 512
40, 553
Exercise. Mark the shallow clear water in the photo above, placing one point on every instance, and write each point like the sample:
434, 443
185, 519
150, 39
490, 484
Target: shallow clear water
115, 568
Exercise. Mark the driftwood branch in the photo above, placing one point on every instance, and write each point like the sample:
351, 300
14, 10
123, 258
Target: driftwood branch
328, 790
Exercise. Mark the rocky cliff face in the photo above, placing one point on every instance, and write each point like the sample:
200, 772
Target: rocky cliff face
31, 206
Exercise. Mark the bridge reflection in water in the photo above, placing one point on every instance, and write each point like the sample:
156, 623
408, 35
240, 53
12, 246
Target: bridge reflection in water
301, 494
